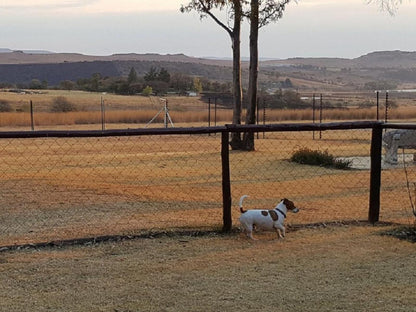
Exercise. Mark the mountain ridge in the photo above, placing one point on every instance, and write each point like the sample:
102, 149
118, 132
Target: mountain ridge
329, 73
379, 59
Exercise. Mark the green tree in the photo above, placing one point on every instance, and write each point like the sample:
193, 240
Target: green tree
66, 85
197, 85
147, 91
163, 75
132, 78
151, 75
37, 84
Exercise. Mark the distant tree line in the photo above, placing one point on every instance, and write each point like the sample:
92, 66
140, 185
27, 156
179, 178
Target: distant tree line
157, 81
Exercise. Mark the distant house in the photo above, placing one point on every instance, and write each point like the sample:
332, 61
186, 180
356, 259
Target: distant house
191, 93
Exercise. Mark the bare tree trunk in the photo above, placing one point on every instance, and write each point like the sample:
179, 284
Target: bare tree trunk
236, 142
248, 140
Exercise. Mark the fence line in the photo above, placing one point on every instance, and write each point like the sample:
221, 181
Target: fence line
134, 194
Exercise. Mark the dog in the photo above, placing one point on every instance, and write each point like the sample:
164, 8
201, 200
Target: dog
267, 220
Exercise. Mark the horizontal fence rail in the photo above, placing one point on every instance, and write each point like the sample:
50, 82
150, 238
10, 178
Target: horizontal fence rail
62, 185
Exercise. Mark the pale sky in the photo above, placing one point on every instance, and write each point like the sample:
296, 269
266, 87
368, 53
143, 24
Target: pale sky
309, 28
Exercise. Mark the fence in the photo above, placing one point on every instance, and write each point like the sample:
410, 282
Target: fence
69, 185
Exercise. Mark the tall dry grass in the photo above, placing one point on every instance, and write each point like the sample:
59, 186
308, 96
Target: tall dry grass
223, 116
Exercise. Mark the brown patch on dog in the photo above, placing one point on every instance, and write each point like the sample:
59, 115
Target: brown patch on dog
274, 215
264, 213
289, 204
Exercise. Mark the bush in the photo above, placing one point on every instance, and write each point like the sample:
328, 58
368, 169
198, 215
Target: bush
318, 158
5, 106
147, 91
60, 104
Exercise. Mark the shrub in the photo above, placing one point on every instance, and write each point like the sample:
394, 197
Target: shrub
61, 104
5, 106
318, 158
147, 91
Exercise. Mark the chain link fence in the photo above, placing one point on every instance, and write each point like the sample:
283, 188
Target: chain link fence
58, 186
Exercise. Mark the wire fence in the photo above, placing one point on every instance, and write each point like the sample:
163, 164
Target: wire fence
61, 185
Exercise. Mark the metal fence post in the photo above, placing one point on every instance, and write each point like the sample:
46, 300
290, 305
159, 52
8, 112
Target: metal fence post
226, 185
375, 174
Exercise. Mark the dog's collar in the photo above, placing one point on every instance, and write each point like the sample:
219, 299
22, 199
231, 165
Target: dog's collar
284, 215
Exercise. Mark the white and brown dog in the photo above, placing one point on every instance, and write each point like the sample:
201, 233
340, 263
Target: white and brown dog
266, 220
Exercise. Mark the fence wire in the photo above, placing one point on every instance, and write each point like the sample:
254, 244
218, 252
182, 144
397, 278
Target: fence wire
67, 188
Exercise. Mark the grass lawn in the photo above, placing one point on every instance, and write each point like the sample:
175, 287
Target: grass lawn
336, 268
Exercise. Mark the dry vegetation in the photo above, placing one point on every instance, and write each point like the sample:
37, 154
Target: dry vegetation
136, 111
59, 189
345, 268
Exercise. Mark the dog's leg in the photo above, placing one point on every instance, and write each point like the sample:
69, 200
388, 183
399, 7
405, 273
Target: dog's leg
250, 235
283, 231
280, 230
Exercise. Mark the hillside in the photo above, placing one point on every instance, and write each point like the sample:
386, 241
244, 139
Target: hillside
397, 67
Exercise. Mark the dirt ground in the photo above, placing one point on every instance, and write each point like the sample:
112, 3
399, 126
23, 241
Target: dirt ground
333, 268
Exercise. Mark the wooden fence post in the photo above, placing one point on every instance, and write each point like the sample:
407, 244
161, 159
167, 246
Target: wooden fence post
375, 174
226, 185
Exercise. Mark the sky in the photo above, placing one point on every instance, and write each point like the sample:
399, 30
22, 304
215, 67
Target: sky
308, 28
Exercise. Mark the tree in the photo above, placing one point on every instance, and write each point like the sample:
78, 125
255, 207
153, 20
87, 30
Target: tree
197, 85
163, 75
67, 85
261, 13
205, 8
151, 75
387, 5
37, 84
132, 78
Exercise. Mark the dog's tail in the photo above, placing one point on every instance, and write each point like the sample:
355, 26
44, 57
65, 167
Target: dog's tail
241, 203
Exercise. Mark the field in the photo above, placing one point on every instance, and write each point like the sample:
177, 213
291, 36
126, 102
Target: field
346, 268
137, 111
57, 189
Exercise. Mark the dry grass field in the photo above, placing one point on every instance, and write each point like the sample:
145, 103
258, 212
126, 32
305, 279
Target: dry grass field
136, 111
57, 189
346, 268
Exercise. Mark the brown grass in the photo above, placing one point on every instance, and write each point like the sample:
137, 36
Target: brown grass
58, 189
138, 110
329, 269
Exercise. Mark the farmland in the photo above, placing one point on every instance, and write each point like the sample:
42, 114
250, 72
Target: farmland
57, 189
137, 111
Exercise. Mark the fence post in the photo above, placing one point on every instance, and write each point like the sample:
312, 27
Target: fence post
375, 174
32, 123
226, 185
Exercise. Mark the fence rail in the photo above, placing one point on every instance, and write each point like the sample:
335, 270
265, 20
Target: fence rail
59, 185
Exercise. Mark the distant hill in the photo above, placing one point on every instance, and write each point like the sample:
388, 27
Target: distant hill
3, 50
387, 59
20, 67
381, 59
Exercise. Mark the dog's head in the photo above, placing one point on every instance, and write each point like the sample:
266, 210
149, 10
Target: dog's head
290, 205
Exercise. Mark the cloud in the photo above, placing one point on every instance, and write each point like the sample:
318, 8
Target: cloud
44, 4
91, 6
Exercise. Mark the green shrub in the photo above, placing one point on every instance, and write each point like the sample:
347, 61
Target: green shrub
317, 158
147, 91
61, 104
